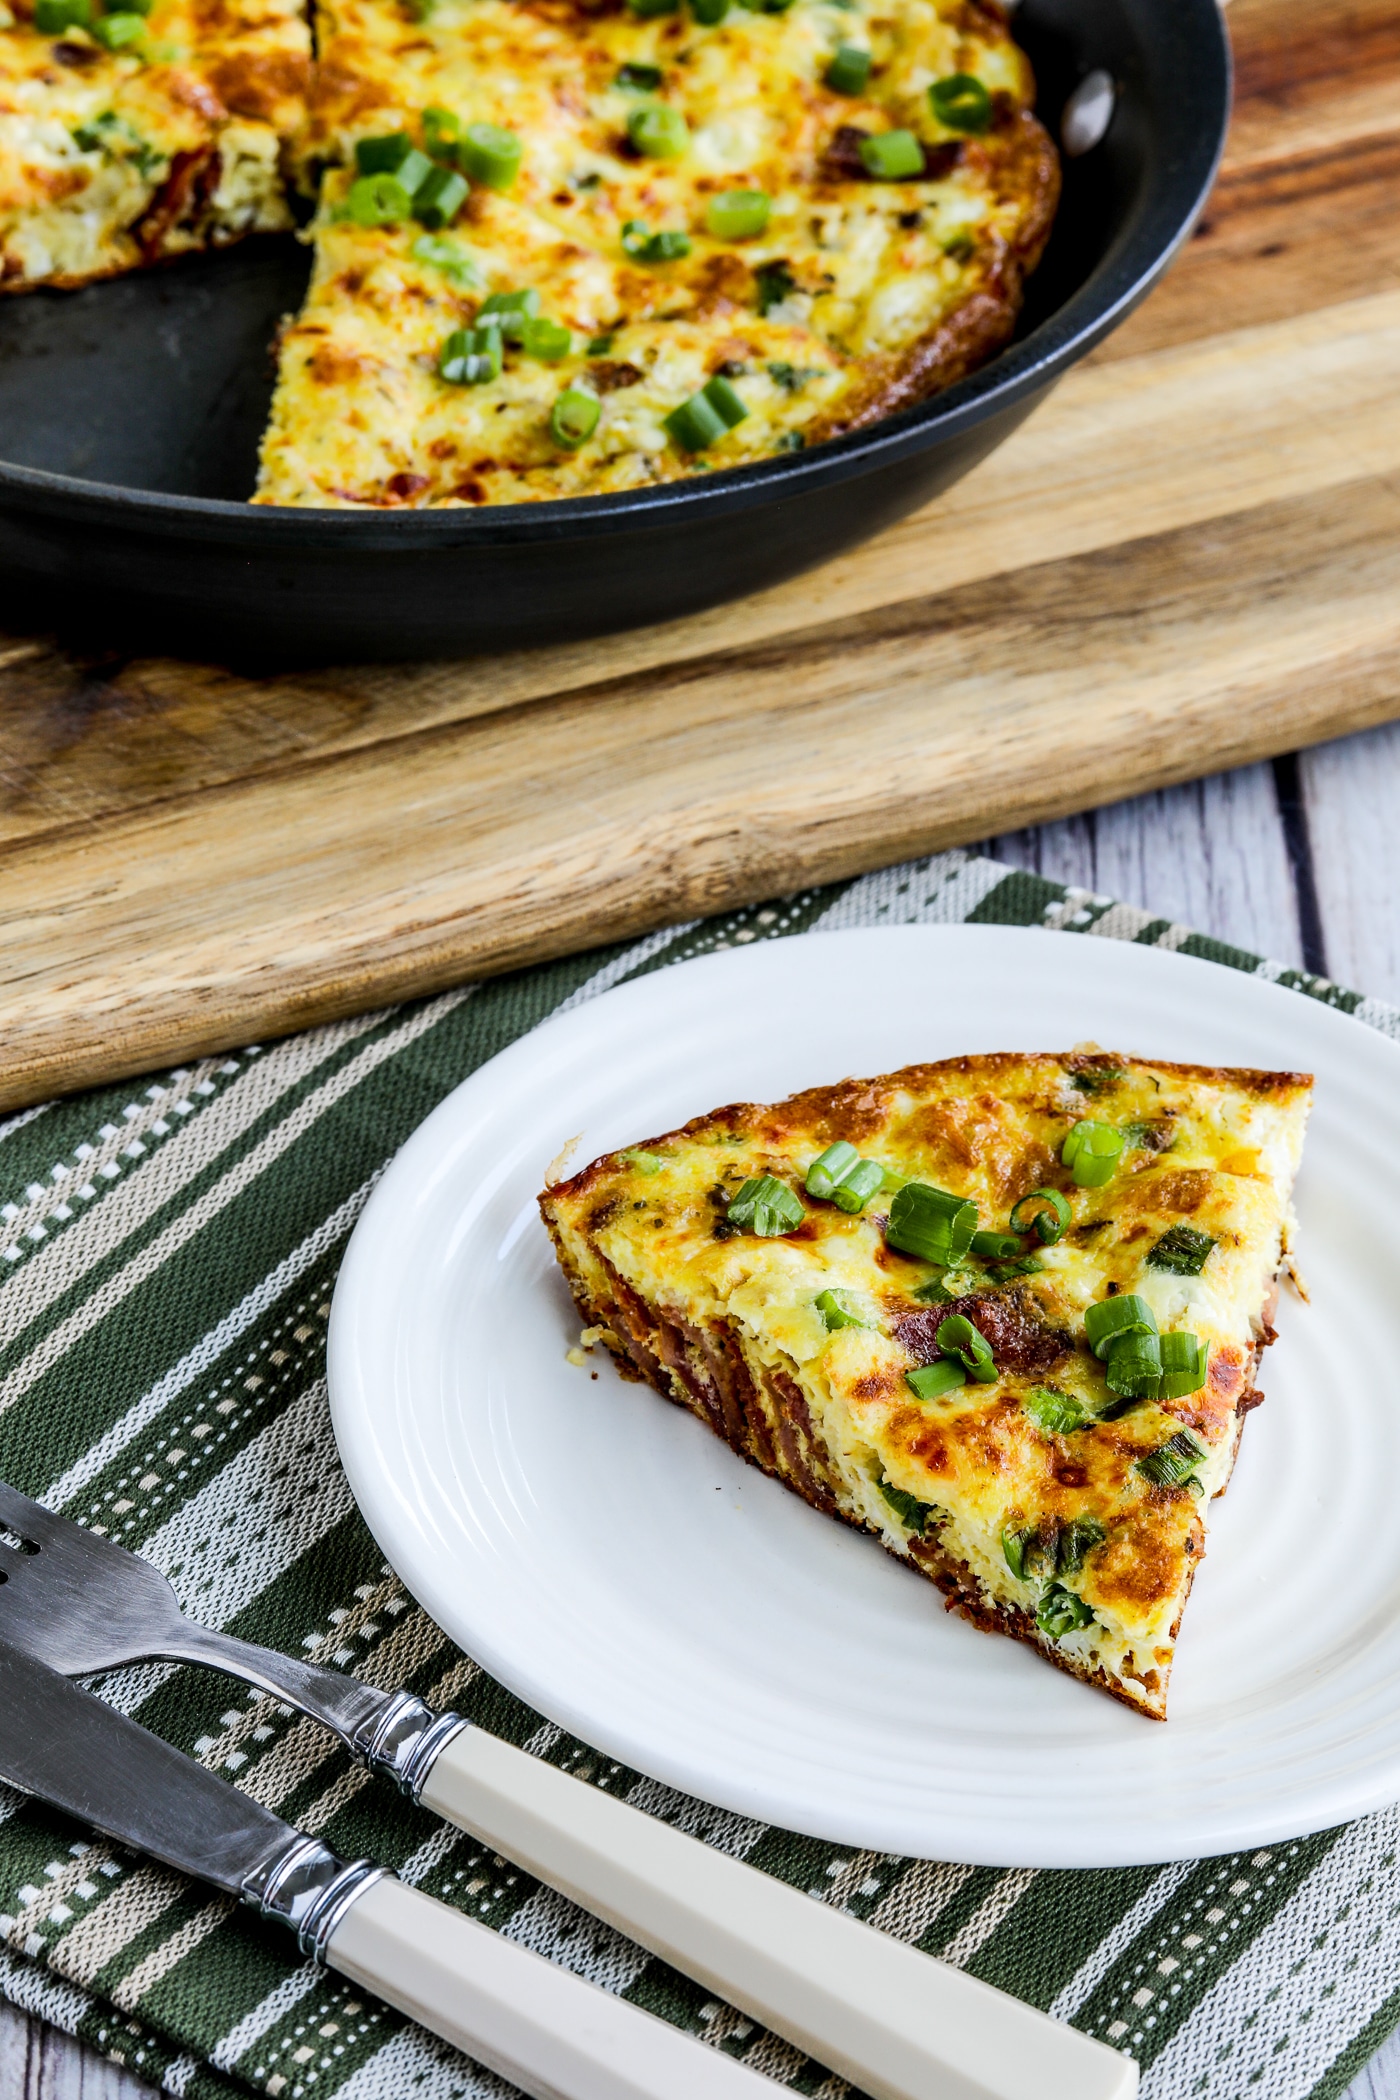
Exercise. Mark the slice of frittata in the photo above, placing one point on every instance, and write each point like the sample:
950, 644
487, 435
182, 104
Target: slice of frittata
142, 132
1004, 1312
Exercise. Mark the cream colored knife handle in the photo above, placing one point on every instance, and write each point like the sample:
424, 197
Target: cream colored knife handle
898, 2024
546, 2030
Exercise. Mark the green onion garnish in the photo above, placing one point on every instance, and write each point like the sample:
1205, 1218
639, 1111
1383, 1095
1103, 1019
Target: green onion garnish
1074, 1541
599, 345
1173, 1462
1185, 1359
997, 1246
658, 131
647, 8
509, 311
648, 78
836, 1309
864, 1181
1091, 1151
1014, 1546
1054, 1412
52, 17
454, 262
1061, 1612
930, 1223
737, 215
935, 1292
653, 247
1182, 1250
441, 132
548, 340
766, 1207
849, 70
709, 12
1112, 1317
932, 1379
773, 281
118, 30
645, 1162
958, 1337
1045, 1211
706, 416
826, 1170
574, 417
892, 156
439, 197
961, 102
470, 356
377, 200
842, 1177
1134, 1366
1006, 1271
386, 154
490, 155
912, 1513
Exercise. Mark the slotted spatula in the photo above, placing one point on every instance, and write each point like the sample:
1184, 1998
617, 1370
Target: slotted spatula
898, 2024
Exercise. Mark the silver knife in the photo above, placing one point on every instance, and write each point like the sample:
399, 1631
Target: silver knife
536, 2024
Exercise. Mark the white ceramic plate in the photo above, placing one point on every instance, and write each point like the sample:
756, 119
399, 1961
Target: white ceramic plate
608, 1559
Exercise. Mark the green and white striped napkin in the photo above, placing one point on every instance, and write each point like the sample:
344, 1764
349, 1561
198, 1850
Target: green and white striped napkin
167, 1257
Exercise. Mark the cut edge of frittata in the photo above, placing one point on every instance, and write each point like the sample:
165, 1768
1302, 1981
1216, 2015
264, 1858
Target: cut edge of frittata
1043, 1503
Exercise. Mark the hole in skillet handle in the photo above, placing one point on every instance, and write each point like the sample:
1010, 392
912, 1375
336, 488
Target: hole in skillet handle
16, 1543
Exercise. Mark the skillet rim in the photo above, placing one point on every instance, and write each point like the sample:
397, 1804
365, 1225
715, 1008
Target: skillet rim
1177, 191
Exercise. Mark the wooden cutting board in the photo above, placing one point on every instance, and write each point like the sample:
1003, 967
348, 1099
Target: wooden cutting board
1189, 558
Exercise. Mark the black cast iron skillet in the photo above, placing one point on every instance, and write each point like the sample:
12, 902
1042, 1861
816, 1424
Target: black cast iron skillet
130, 416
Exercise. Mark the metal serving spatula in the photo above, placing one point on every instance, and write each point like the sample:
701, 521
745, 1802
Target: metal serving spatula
547, 2030
898, 2024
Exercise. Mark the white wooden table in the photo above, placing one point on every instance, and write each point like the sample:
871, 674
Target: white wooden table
1299, 860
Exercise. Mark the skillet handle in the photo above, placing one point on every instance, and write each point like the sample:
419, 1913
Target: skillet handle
898, 2024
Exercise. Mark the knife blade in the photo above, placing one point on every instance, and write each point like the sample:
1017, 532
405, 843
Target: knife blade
535, 2023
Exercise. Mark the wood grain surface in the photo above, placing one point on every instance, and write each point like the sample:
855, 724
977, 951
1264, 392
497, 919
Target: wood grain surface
1187, 560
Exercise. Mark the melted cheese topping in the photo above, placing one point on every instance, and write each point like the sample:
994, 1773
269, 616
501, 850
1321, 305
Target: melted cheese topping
886, 289
1212, 1151
113, 159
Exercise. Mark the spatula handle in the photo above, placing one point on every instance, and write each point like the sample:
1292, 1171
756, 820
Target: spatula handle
898, 2024
546, 2030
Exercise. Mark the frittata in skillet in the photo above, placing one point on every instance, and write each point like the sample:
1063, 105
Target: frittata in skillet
142, 132
1004, 1312
571, 246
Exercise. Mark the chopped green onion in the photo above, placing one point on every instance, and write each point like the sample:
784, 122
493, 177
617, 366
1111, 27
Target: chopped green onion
509, 311
1060, 1612
442, 129
709, 12
857, 1187
454, 262
378, 200
547, 340
599, 345
1091, 1151
645, 1162
118, 30
668, 246
658, 131
836, 1310
1094, 1082
912, 1513
1182, 1250
1048, 1218
774, 281
1075, 1541
439, 197
1054, 1412
737, 215
470, 356
1112, 1317
647, 8
935, 1292
1134, 1366
1185, 1359
648, 78
138, 7
892, 156
997, 1246
930, 1380
706, 416
958, 1337
1024, 1265
849, 70
635, 239
52, 17
383, 155
574, 418
961, 102
766, 1206
930, 1223
490, 155
829, 1166
1173, 1462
